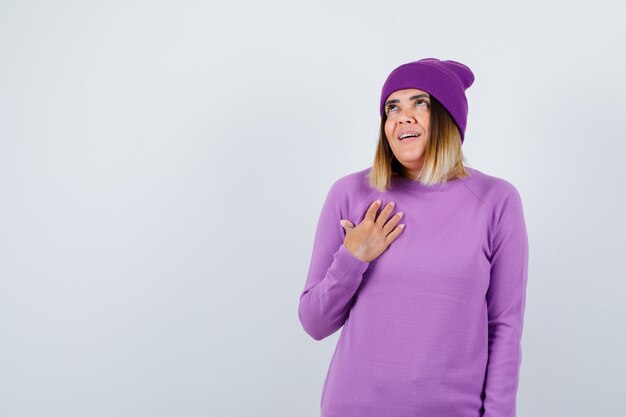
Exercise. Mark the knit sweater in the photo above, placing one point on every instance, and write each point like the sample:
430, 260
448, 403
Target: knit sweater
433, 326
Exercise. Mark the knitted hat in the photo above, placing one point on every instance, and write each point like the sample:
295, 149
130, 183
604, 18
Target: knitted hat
444, 80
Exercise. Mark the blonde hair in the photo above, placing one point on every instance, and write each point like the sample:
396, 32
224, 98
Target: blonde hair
443, 159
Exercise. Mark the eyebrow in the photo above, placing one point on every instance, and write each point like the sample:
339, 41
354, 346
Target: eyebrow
412, 98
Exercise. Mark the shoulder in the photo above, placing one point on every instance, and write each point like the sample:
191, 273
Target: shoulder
352, 190
502, 198
354, 182
490, 189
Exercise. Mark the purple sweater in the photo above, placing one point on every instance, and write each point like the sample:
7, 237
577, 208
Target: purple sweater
433, 326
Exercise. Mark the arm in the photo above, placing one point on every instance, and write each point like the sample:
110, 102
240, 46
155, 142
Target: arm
334, 273
506, 300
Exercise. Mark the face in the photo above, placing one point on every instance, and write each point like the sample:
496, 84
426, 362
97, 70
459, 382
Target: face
408, 112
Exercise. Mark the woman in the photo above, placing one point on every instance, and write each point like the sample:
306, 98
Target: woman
432, 313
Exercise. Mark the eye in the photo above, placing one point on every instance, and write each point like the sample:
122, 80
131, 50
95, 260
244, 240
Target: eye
389, 107
419, 103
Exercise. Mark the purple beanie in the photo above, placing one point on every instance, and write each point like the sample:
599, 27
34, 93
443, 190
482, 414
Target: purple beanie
444, 80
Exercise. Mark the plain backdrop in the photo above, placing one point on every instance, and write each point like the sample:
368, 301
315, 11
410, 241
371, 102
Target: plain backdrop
163, 165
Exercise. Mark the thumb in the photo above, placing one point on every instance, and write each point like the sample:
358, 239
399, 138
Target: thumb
347, 224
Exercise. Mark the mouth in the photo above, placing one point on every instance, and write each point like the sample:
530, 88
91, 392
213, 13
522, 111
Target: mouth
409, 136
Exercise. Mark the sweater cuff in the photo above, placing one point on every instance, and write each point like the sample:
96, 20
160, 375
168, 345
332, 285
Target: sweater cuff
346, 261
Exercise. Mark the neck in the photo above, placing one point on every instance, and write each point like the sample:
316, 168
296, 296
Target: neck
411, 173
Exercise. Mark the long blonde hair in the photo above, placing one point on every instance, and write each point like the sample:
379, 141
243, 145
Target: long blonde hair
443, 159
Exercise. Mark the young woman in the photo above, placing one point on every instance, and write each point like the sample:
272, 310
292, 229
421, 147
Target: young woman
424, 262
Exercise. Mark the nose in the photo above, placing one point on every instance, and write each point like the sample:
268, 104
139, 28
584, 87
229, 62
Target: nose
406, 116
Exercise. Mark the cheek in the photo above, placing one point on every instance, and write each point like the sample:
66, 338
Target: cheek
389, 130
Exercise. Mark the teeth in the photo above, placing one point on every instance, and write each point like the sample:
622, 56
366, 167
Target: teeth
406, 135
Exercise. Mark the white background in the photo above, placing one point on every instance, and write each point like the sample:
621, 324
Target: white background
163, 166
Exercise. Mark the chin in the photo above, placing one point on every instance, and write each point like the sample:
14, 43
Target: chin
411, 156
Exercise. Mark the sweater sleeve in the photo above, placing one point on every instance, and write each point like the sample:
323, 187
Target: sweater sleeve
506, 299
334, 273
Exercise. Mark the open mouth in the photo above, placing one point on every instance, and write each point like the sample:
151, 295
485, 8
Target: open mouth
409, 136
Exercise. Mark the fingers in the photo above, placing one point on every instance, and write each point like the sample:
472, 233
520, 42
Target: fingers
382, 218
385, 228
371, 212
394, 234
392, 222
384, 215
